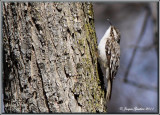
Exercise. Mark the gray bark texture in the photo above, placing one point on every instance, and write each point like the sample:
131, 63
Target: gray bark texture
50, 58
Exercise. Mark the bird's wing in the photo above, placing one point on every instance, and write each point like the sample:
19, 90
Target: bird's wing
113, 57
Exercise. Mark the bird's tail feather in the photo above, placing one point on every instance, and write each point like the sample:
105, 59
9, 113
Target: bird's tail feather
109, 90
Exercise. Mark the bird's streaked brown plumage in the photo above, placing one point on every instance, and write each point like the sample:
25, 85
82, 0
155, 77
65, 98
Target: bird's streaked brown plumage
109, 57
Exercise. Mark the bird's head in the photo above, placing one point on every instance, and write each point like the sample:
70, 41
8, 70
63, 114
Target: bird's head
114, 32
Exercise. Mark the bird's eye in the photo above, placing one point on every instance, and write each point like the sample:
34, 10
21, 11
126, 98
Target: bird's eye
118, 41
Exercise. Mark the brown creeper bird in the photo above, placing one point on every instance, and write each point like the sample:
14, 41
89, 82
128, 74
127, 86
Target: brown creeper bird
109, 57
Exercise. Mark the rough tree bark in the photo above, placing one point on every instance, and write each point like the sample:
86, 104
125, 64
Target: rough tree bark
50, 58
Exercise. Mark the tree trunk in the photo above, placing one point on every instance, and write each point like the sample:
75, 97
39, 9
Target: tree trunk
50, 58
